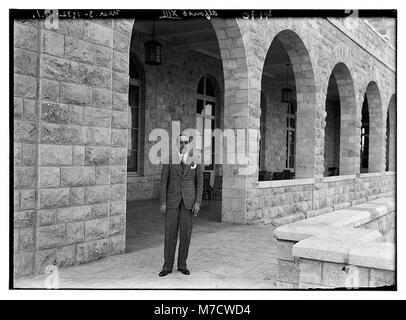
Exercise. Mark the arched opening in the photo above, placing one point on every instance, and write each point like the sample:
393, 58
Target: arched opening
372, 133
390, 161
364, 136
262, 141
288, 81
186, 87
207, 118
340, 148
136, 117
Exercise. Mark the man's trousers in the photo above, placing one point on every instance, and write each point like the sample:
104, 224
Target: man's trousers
177, 220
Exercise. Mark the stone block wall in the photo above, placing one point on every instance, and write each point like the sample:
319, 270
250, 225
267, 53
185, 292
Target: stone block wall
326, 44
323, 274
70, 129
283, 199
288, 266
311, 254
26, 64
275, 131
386, 225
367, 37
353, 190
70, 87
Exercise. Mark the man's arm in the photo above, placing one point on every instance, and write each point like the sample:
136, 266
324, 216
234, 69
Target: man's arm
164, 183
199, 184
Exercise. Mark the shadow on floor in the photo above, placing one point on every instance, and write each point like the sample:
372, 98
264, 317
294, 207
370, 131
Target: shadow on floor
145, 225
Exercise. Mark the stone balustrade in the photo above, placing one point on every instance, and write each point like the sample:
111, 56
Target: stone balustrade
343, 248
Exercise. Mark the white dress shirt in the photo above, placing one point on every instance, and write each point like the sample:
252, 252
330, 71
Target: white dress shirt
182, 156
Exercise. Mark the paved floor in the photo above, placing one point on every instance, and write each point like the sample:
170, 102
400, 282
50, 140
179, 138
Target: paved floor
222, 256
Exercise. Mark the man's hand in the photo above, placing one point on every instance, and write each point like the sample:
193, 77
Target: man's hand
162, 209
196, 209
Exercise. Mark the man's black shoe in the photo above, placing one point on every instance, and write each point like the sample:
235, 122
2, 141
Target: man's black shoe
164, 273
184, 271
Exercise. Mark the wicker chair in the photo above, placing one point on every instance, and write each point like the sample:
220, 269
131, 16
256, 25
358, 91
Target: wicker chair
207, 189
217, 187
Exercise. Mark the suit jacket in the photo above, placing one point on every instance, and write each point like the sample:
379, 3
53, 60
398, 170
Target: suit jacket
175, 186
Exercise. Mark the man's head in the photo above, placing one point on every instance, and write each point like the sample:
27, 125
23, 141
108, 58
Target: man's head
183, 143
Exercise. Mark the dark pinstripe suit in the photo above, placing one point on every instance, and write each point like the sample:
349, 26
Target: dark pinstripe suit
179, 192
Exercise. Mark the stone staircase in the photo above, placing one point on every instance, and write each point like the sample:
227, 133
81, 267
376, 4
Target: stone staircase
280, 221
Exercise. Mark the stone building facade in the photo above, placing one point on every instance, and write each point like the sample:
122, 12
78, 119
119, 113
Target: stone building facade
71, 110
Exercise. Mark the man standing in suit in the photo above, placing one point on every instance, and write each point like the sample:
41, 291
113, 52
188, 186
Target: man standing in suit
180, 199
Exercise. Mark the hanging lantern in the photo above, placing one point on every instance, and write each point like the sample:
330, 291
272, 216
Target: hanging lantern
287, 93
153, 50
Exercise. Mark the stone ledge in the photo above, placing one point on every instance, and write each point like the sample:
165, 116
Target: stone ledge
358, 201
341, 205
371, 174
350, 217
302, 231
284, 183
339, 178
334, 237
259, 222
318, 212
333, 247
378, 255
305, 285
288, 219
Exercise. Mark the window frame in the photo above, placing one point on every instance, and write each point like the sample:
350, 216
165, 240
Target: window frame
133, 82
290, 129
213, 118
262, 132
364, 150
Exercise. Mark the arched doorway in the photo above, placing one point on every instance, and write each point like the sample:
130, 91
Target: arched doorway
372, 131
187, 87
340, 149
288, 81
390, 161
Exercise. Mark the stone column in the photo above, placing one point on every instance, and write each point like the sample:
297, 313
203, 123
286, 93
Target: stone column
392, 133
26, 47
79, 94
236, 117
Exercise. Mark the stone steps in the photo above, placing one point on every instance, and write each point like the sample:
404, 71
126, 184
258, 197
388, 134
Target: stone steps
288, 219
259, 222
277, 222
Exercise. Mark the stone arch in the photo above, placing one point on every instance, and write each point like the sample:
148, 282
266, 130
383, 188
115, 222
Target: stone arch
391, 134
236, 115
262, 128
235, 70
348, 145
235, 109
305, 101
376, 128
206, 82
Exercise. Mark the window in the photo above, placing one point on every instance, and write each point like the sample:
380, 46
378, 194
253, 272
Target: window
206, 116
364, 137
290, 136
134, 114
387, 142
262, 131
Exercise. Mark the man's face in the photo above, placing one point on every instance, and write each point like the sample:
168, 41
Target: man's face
184, 145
